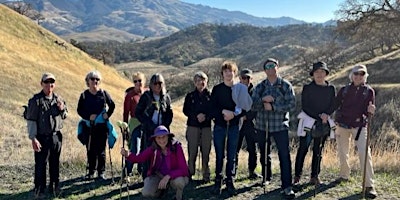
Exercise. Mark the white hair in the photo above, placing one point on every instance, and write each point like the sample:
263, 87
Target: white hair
92, 74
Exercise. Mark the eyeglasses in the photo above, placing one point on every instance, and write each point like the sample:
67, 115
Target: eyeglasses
135, 81
245, 77
359, 73
49, 81
157, 83
269, 66
94, 79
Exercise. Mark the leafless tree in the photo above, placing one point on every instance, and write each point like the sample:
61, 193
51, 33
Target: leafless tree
375, 23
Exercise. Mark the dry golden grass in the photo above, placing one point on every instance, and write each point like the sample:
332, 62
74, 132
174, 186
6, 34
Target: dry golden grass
26, 51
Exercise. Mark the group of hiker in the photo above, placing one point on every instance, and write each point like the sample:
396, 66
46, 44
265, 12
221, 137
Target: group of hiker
239, 110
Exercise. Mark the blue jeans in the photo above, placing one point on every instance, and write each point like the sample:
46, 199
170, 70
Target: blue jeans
134, 148
282, 143
219, 136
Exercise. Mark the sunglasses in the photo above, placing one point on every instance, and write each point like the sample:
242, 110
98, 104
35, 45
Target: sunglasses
157, 83
49, 81
269, 66
245, 77
94, 79
135, 81
359, 73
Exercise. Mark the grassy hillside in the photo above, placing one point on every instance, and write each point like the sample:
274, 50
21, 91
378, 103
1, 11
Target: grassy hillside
26, 51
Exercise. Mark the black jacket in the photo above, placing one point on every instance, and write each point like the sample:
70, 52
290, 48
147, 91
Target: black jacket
250, 115
146, 107
195, 103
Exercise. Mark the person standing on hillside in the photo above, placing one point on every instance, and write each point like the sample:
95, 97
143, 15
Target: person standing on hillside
226, 113
196, 107
247, 130
273, 99
131, 100
154, 109
317, 104
45, 114
92, 106
354, 103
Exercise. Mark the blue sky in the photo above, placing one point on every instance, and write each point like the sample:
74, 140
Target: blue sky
306, 10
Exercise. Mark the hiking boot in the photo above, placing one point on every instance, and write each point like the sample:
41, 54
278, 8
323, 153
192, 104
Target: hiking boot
102, 176
89, 176
288, 193
230, 187
296, 180
341, 180
38, 193
217, 187
254, 176
315, 181
370, 192
266, 181
54, 189
206, 180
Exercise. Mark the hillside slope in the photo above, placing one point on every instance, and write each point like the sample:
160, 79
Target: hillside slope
26, 51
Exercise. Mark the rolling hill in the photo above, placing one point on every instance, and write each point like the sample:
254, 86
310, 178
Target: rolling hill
145, 18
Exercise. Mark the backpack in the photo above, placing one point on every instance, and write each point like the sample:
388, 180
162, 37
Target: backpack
25, 111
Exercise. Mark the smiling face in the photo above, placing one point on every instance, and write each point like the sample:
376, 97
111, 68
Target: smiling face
358, 77
162, 141
200, 83
319, 75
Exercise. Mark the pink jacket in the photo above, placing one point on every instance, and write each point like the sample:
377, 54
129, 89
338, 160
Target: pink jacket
175, 160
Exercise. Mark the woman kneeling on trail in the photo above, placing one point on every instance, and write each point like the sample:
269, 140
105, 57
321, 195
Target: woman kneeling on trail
167, 164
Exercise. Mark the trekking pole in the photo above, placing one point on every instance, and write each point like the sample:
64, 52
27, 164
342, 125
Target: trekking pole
123, 126
265, 156
88, 147
199, 145
321, 140
366, 153
112, 172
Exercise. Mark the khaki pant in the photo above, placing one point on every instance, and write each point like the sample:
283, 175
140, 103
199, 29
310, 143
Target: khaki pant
199, 137
150, 188
343, 138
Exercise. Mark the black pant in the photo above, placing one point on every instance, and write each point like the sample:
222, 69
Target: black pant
262, 140
97, 151
316, 157
248, 132
51, 149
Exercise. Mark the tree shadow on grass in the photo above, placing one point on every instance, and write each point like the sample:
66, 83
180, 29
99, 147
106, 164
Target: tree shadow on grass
272, 194
121, 190
79, 185
324, 187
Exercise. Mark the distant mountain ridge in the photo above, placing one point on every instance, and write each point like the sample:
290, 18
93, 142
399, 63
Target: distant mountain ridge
139, 18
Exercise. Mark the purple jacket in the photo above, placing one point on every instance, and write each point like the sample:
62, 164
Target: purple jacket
175, 160
352, 106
